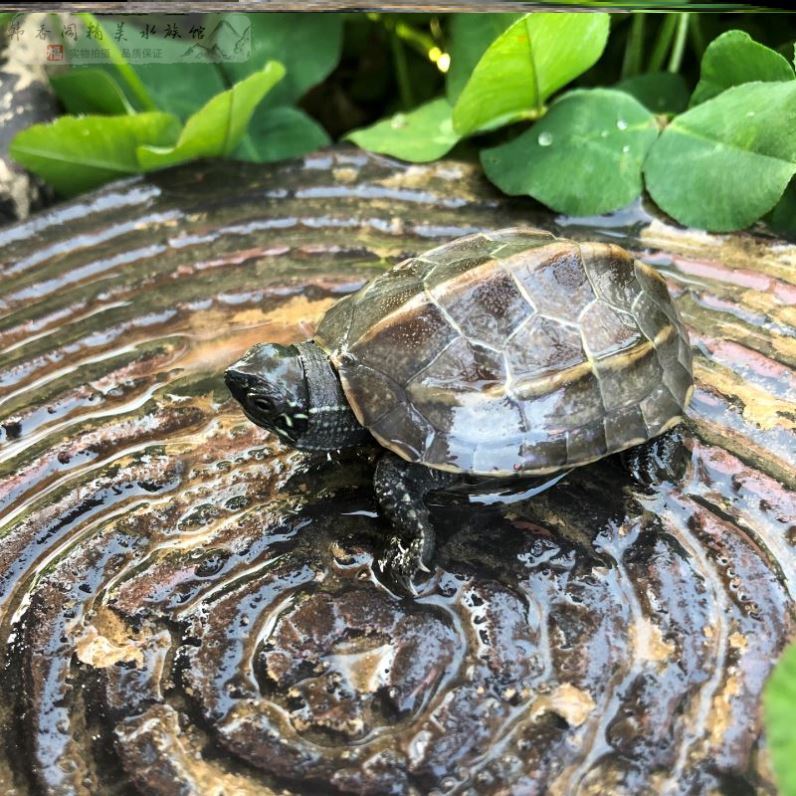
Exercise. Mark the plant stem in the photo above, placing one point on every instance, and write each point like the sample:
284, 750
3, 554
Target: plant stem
697, 36
401, 70
631, 65
125, 70
676, 58
417, 39
662, 43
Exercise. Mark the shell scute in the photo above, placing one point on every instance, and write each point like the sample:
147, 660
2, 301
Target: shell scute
625, 423
557, 285
678, 380
650, 318
543, 346
380, 299
660, 408
462, 367
450, 453
416, 433
496, 458
442, 273
654, 286
607, 331
612, 274
513, 241
472, 417
403, 349
464, 248
486, 303
335, 325
629, 381
586, 441
685, 355
559, 405
548, 453
383, 391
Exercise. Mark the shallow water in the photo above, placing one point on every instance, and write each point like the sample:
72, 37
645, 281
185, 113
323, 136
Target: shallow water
188, 606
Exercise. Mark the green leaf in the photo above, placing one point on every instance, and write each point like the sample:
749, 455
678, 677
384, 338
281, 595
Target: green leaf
217, 128
196, 85
423, 134
280, 133
779, 707
90, 91
470, 35
75, 154
660, 92
309, 46
583, 157
782, 219
723, 164
122, 68
735, 58
529, 61
198, 81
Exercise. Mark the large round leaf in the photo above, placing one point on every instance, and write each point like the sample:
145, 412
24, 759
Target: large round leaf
421, 135
525, 65
280, 133
735, 58
309, 46
584, 157
661, 92
470, 35
78, 153
726, 162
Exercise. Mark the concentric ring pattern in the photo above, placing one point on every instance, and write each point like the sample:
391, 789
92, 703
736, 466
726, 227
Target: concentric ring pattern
186, 606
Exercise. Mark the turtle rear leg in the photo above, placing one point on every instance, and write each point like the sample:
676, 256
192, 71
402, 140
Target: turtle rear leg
401, 489
662, 458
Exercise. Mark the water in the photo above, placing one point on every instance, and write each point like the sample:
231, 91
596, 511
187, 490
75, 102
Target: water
185, 601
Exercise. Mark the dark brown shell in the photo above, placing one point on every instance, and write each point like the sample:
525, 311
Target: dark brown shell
513, 351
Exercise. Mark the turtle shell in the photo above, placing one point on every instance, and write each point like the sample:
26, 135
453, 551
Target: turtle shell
512, 352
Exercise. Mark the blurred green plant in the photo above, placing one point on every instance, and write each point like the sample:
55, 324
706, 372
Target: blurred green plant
582, 112
720, 165
131, 119
779, 709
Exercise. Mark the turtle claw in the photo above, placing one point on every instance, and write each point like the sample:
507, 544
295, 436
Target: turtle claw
399, 565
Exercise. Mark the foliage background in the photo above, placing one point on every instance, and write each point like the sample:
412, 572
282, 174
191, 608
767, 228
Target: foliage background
611, 113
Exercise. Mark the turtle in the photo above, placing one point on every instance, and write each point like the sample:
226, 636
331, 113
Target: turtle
499, 355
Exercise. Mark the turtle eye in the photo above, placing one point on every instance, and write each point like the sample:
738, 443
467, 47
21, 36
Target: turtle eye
264, 404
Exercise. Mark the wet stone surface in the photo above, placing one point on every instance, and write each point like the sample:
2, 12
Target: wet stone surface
186, 606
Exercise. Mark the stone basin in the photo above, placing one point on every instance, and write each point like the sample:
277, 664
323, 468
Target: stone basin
187, 606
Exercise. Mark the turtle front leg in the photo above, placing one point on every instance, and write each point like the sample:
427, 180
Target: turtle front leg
659, 459
401, 489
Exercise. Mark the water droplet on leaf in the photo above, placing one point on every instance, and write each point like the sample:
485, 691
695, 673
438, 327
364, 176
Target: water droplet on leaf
621, 124
545, 139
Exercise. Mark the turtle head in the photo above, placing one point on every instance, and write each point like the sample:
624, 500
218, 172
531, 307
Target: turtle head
270, 384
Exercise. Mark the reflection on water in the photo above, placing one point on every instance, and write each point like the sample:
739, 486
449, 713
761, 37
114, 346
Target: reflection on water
187, 604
